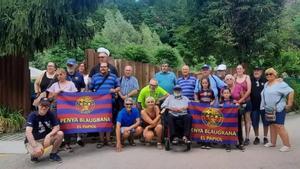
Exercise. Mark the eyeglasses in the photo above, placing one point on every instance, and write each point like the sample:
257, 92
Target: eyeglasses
153, 85
228, 79
128, 104
269, 74
100, 57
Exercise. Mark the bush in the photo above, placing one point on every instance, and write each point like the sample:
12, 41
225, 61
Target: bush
136, 53
10, 120
168, 55
295, 84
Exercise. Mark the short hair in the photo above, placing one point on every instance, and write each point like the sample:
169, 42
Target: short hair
271, 70
128, 99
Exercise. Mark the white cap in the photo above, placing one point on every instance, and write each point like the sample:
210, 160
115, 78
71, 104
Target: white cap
221, 67
103, 50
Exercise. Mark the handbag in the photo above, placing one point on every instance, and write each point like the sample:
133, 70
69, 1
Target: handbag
271, 112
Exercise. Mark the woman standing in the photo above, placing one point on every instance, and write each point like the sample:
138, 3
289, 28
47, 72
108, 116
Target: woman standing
243, 82
82, 70
45, 80
274, 103
151, 122
235, 90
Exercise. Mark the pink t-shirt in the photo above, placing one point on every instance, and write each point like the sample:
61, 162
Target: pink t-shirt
67, 87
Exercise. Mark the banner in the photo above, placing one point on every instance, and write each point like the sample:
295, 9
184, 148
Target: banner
84, 112
215, 125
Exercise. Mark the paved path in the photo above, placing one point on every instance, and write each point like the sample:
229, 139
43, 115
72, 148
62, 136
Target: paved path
140, 157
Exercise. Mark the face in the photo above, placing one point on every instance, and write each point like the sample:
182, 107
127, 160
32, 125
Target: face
103, 58
204, 83
221, 73
103, 68
240, 70
226, 94
50, 67
61, 76
150, 103
71, 68
43, 110
128, 71
185, 70
153, 85
257, 74
205, 72
164, 67
81, 67
229, 80
128, 105
177, 92
270, 76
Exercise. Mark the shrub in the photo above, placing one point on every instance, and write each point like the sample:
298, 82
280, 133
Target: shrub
168, 55
136, 53
10, 120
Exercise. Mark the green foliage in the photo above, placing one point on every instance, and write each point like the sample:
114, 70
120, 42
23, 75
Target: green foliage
295, 84
10, 120
166, 54
289, 62
136, 53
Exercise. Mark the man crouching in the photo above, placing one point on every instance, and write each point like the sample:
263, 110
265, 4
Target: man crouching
128, 124
42, 131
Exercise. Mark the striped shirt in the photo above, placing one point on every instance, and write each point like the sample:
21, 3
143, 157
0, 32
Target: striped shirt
110, 83
128, 84
188, 86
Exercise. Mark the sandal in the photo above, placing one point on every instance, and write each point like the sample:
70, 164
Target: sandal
69, 149
99, 145
111, 144
185, 140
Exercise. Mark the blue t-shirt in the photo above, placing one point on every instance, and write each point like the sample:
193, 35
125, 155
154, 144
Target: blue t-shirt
187, 86
77, 79
41, 125
166, 80
127, 119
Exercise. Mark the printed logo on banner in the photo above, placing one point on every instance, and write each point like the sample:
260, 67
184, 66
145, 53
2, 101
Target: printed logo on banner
85, 104
212, 117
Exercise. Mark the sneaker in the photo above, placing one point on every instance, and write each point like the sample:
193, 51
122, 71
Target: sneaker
256, 141
240, 147
285, 149
34, 159
203, 147
266, 140
175, 141
269, 145
55, 157
247, 142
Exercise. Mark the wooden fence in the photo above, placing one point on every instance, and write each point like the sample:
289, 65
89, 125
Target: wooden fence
15, 83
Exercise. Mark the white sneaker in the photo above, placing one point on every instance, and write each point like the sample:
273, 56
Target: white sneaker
285, 149
269, 145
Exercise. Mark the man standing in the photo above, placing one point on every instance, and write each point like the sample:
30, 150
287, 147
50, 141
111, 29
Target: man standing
129, 86
187, 83
216, 84
258, 82
165, 78
42, 131
103, 58
158, 93
221, 71
105, 83
128, 124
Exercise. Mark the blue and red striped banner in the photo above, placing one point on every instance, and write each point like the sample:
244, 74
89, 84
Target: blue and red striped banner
215, 125
84, 112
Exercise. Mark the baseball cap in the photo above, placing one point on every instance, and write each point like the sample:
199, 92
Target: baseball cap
205, 66
258, 68
221, 67
71, 62
103, 50
45, 101
177, 87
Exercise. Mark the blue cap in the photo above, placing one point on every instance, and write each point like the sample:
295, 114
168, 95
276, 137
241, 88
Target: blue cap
177, 87
71, 61
205, 66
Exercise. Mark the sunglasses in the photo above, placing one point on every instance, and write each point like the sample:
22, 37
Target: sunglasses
128, 104
153, 85
229, 79
269, 74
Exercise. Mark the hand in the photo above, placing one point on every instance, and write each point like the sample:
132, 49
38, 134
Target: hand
127, 129
112, 90
38, 151
157, 102
37, 94
123, 97
119, 147
288, 107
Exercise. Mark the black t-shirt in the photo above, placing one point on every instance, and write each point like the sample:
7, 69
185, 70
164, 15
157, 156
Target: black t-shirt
96, 69
41, 125
46, 82
256, 89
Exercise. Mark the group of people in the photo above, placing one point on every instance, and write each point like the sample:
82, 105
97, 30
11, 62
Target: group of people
137, 112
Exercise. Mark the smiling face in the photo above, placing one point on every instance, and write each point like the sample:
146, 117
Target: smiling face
271, 74
226, 94
43, 109
205, 72
128, 71
104, 68
164, 67
240, 70
229, 80
128, 104
150, 102
257, 73
61, 75
81, 68
153, 84
51, 67
205, 83
185, 70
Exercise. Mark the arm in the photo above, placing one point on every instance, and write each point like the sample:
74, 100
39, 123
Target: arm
136, 124
290, 100
147, 119
37, 83
248, 90
162, 98
37, 150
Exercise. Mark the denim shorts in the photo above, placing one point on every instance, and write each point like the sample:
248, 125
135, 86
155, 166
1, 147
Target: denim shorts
280, 118
246, 107
255, 118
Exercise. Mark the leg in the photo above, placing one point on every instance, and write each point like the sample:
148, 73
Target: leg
240, 130
265, 124
101, 135
57, 140
283, 134
158, 132
247, 124
273, 134
255, 122
148, 134
187, 119
138, 131
171, 126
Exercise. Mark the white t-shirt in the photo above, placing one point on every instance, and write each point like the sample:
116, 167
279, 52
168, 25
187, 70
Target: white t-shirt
66, 87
